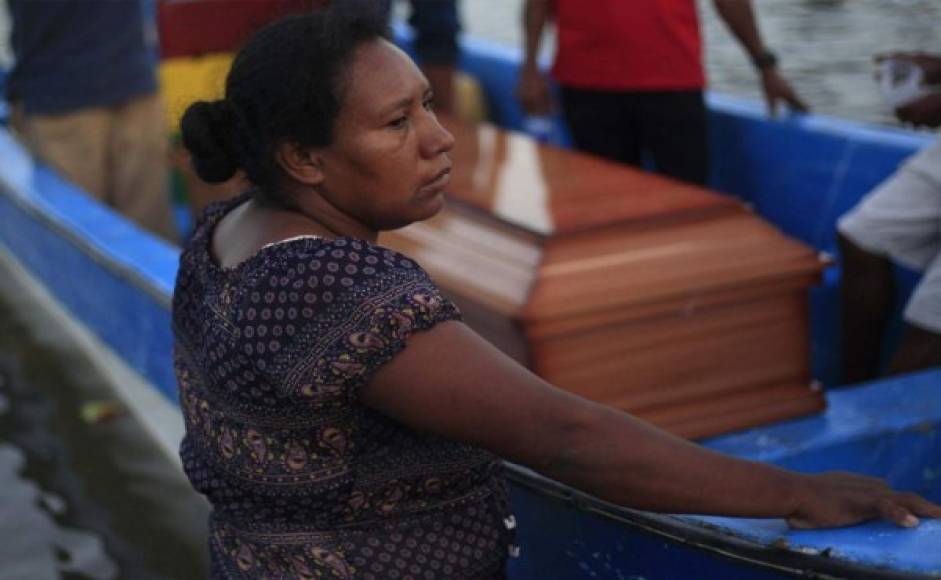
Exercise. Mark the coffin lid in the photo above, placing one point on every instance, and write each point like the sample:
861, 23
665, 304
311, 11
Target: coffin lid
603, 235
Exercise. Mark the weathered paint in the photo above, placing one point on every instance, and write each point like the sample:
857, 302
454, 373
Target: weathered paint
109, 274
889, 429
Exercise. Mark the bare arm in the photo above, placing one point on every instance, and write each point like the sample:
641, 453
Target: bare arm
740, 18
533, 87
451, 382
925, 111
535, 17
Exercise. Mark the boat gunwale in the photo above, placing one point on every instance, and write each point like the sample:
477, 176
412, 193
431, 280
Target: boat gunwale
702, 535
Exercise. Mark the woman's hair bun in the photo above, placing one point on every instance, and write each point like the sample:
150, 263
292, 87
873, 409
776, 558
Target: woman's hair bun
208, 129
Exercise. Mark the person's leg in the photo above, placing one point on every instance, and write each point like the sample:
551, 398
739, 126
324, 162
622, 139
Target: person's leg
139, 165
919, 349
441, 79
437, 25
867, 294
600, 124
74, 144
899, 221
920, 346
673, 130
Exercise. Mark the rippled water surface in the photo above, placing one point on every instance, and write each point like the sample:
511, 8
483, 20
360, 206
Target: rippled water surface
825, 46
84, 493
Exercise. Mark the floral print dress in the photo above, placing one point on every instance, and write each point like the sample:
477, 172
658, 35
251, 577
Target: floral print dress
304, 480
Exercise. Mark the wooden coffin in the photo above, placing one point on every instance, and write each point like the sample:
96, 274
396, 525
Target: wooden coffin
659, 298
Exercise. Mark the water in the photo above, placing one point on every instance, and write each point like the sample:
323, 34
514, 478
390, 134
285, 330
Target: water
825, 46
85, 493
826, 49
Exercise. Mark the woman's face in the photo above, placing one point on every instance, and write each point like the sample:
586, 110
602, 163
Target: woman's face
388, 164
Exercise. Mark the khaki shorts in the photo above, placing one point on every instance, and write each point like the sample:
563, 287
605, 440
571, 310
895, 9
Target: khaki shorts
118, 155
901, 219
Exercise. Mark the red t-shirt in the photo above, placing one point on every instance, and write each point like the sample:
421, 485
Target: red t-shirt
191, 28
628, 45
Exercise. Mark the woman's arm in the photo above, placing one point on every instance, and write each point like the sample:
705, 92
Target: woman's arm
452, 382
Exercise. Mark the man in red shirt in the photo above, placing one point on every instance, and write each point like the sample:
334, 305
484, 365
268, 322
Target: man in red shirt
632, 78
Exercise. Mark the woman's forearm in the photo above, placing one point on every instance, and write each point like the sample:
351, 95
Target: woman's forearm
643, 467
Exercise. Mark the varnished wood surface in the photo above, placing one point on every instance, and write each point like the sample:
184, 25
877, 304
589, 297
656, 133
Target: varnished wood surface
474, 257
666, 300
551, 191
741, 410
676, 266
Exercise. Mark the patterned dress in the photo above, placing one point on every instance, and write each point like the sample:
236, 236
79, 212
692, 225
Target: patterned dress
305, 481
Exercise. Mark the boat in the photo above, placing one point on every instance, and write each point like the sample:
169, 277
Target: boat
798, 172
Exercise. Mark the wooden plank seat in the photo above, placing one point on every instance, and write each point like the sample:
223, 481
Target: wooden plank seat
657, 297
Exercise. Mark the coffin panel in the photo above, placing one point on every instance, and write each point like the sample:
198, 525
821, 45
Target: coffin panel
660, 298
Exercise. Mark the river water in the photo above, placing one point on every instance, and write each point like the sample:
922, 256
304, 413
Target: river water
85, 494
825, 46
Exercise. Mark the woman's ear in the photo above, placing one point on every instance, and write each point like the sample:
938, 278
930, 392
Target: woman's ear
303, 164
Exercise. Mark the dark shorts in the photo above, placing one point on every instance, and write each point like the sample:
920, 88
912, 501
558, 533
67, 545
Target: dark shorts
668, 128
436, 24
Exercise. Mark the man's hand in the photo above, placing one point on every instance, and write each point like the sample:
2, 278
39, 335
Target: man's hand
929, 63
533, 91
926, 111
777, 90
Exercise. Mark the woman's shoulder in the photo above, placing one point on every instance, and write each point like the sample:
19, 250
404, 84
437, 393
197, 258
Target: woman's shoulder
345, 257
342, 293
206, 221
339, 267
210, 215
380, 258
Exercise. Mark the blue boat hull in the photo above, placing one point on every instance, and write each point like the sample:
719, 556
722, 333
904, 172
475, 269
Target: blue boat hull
889, 429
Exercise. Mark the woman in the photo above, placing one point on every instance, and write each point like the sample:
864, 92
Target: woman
328, 448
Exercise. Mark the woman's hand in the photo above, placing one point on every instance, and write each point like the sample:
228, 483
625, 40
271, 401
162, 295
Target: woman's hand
837, 499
